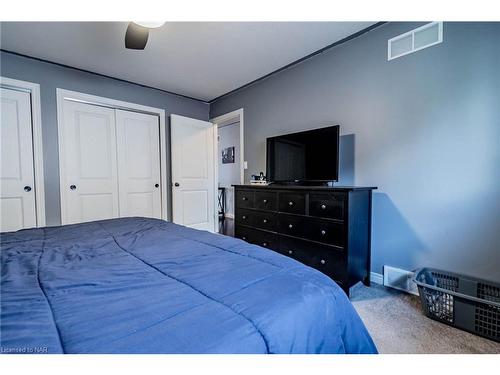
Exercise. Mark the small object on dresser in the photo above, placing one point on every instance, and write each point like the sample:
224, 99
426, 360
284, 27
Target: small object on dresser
258, 180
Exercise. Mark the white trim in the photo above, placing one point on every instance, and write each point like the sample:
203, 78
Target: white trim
36, 124
63, 94
230, 116
229, 216
216, 179
376, 278
412, 33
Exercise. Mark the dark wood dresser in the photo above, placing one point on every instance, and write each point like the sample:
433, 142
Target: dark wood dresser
327, 228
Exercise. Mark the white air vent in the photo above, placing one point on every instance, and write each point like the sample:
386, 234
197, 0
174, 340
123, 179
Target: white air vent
399, 279
415, 40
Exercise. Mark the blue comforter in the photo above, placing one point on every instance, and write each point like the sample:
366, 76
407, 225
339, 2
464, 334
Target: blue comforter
139, 285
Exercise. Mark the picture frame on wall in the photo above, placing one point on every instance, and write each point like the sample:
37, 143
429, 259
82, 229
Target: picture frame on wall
228, 155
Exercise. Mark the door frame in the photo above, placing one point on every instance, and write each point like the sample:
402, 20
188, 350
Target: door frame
232, 116
75, 96
36, 129
224, 119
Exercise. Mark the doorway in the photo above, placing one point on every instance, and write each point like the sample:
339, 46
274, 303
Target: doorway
22, 198
230, 165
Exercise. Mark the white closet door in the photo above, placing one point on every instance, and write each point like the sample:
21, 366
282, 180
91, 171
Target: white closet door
17, 189
138, 150
193, 172
89, 182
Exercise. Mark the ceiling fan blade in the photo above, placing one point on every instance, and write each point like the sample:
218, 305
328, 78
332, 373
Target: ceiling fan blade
136, 36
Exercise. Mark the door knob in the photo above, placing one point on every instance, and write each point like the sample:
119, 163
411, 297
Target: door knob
176, 184
27, 189
72, 187
290, 203
323, 206
157, 185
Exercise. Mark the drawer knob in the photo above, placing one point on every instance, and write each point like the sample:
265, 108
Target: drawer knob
323, 232
264, 244
322, 261
290, 203
243, 238
323, 206
264, 221
265, 201
290, 252
244, 198
290, 226
244, 217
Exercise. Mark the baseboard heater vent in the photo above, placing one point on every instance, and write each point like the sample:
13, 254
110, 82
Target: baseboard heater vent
399, 279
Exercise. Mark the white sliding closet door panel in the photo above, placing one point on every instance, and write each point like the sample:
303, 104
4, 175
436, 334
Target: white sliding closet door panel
17, 189
138, 150
89, 182
193, 172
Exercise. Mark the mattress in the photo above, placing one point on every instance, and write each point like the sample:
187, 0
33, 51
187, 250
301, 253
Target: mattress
138, 285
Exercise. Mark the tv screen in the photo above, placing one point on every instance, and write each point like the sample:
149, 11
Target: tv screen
311, 155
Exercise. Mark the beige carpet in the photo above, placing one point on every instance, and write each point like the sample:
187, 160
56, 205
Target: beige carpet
397, 324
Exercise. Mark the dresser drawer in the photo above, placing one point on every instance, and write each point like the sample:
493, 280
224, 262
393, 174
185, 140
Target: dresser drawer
292, 225
264, 220
244, 199
245, 217
327, 205
309, 228
290, 247
257, 237
322, 257
326, 231
294, 203
266, 200
332, 263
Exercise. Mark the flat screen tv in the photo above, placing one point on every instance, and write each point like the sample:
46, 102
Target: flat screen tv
308, 156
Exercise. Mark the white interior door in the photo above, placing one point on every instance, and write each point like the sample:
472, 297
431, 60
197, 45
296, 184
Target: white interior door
17, 179
87, 158
138, 150
193, 172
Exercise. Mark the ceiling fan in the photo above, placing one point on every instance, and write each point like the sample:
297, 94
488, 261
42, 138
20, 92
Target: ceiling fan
137, 34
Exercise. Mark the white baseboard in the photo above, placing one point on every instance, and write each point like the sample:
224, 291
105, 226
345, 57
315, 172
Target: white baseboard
376, 278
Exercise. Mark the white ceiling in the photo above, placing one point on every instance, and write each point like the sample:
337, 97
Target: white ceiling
199, 59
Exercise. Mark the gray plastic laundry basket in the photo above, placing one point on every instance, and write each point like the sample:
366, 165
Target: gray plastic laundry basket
461, 301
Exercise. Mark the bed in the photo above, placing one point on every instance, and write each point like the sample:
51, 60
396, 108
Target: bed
138, 285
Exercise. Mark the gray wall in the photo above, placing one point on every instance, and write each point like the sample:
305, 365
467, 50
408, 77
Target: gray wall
229, 174
424, 128
51, 76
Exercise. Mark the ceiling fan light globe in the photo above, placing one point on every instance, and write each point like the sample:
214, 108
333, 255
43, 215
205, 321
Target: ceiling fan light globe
149, 25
